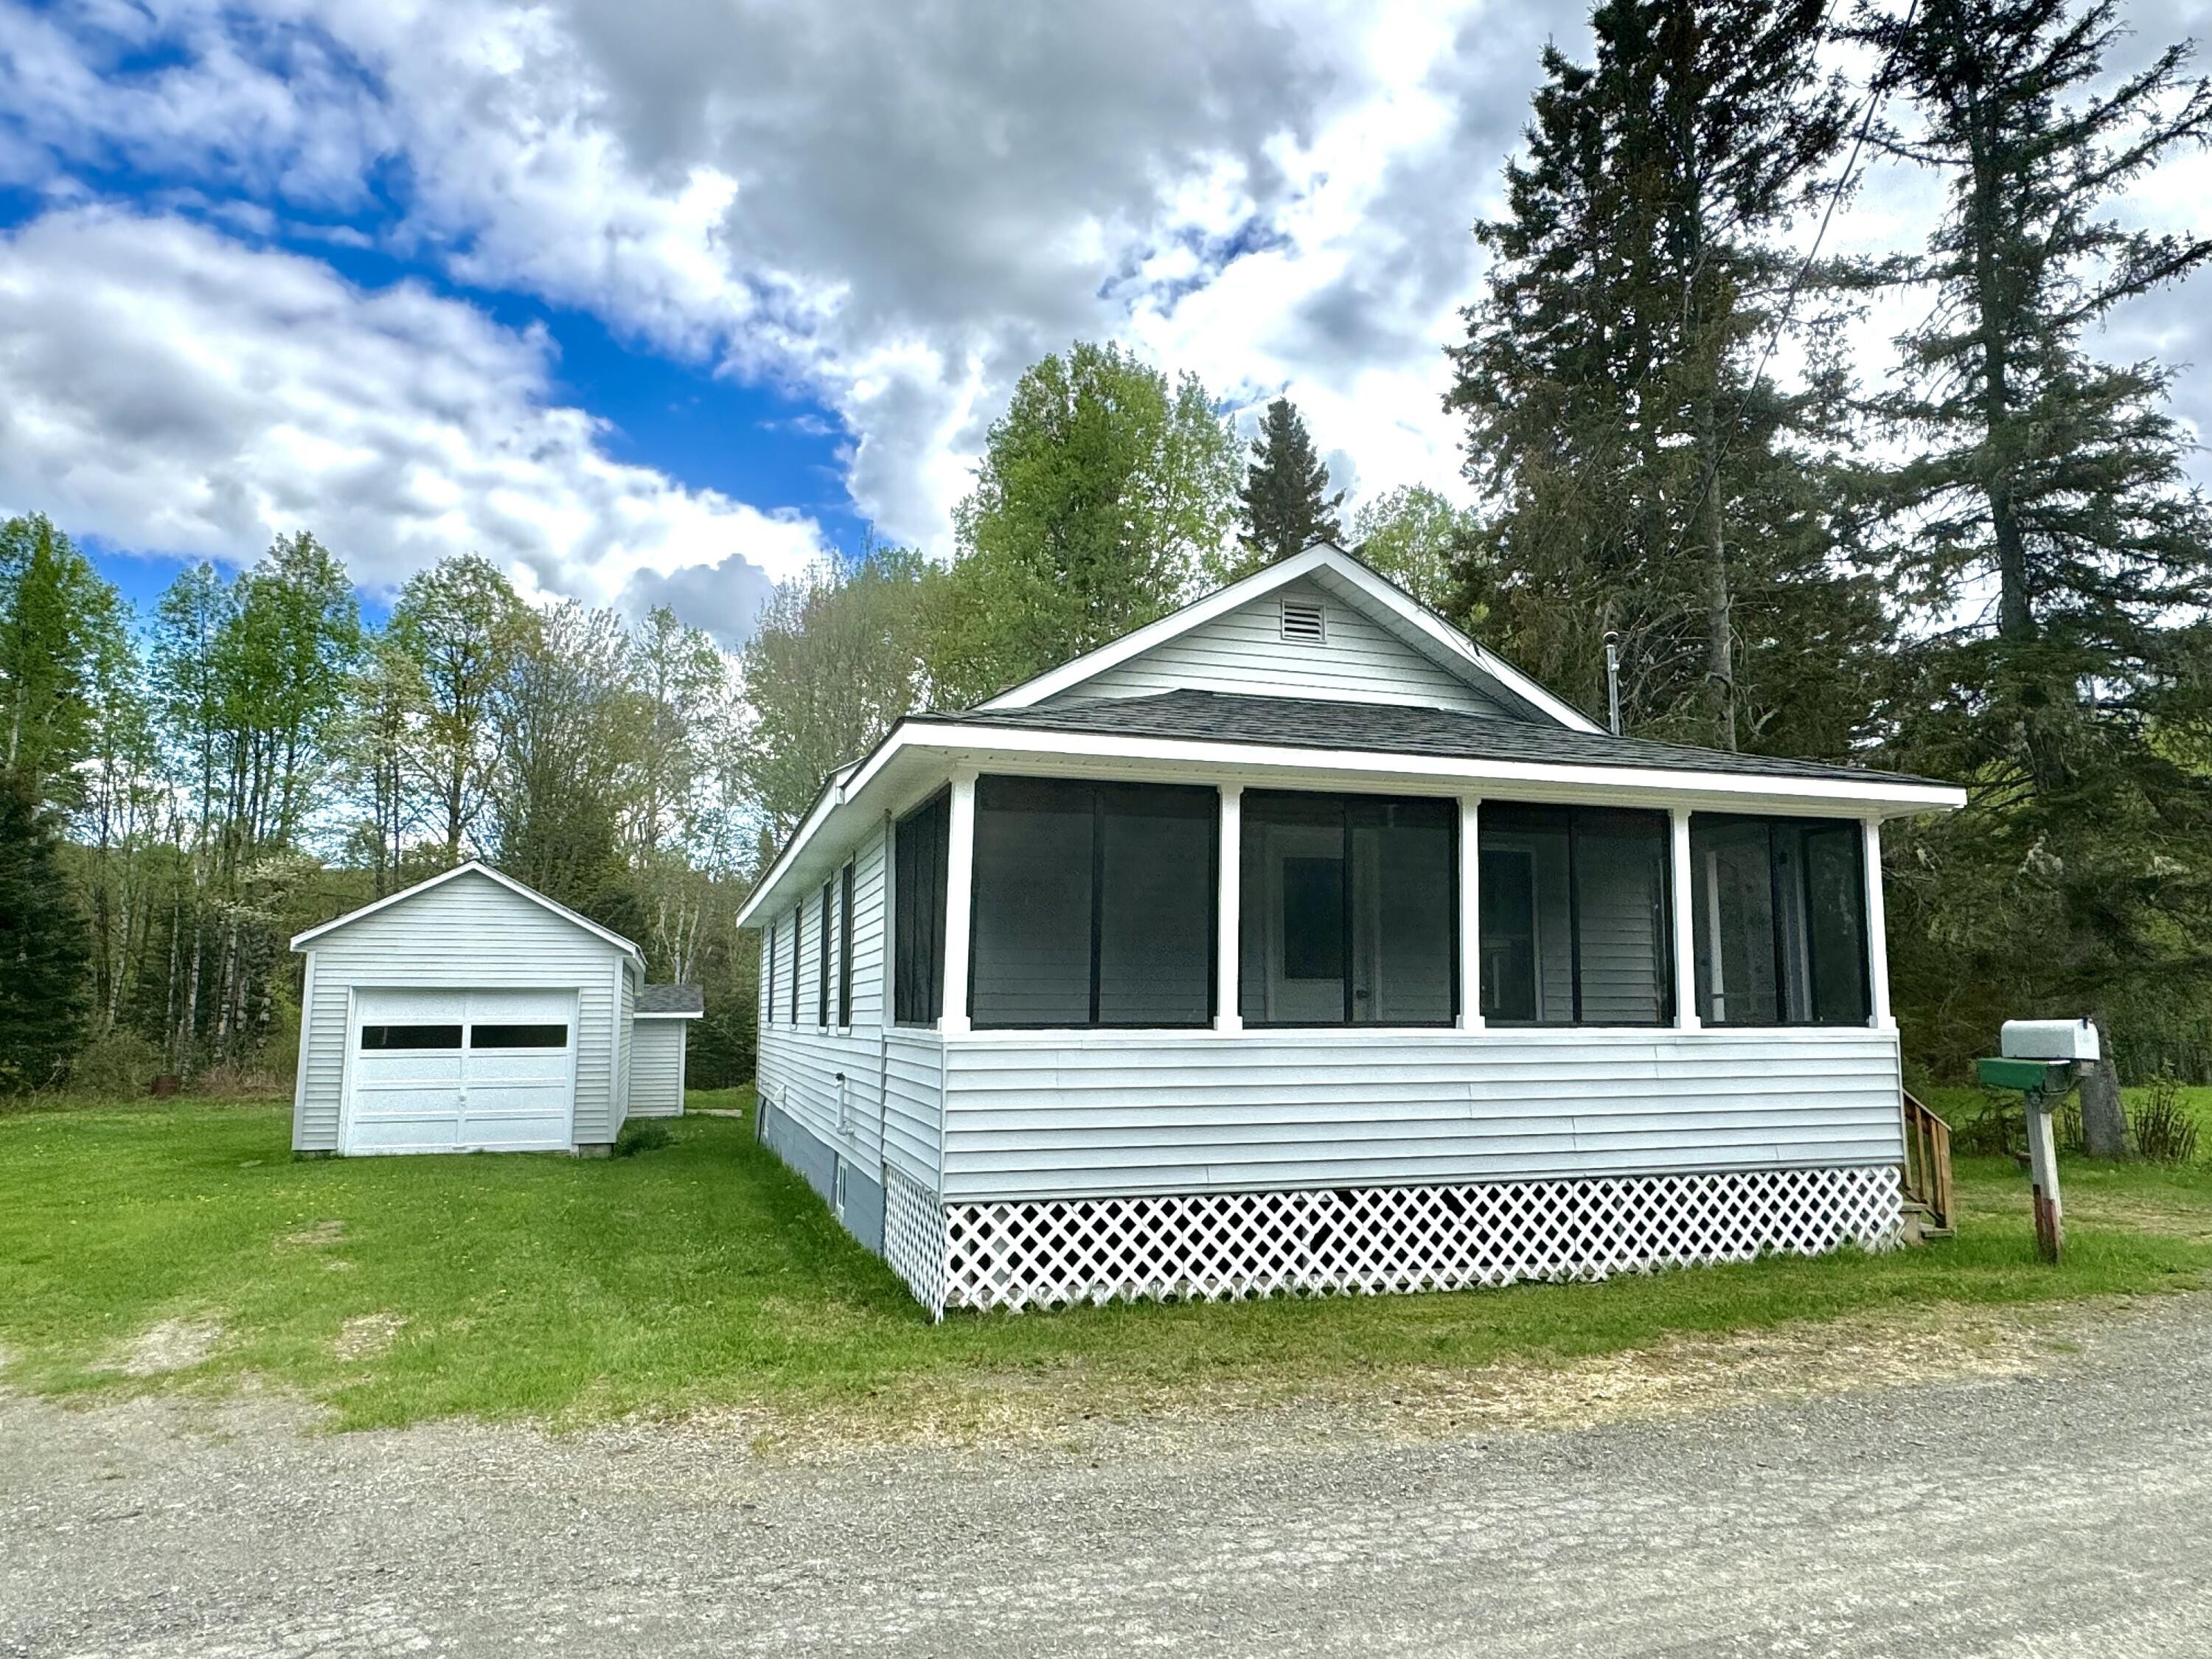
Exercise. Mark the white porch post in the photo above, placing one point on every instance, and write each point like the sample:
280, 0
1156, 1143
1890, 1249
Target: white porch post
959, 897
1686, 938
1470, 914
1877, 928
1229, 938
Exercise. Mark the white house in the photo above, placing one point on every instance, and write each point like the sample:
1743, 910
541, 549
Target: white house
469, 1013
1295, 941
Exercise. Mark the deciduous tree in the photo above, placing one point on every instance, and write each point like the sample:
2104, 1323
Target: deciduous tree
1101, 489
462, 623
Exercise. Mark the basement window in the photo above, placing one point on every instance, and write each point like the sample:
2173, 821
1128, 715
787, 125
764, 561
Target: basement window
1304, 621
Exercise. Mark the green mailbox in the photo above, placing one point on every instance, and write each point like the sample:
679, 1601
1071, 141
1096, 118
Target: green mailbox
2050, 1076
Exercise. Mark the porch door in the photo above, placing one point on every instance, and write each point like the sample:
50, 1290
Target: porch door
1305, 919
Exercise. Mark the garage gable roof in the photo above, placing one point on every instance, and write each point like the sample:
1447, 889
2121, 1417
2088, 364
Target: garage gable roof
478, 867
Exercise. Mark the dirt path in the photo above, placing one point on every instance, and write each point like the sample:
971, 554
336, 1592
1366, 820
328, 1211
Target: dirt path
2049, 1493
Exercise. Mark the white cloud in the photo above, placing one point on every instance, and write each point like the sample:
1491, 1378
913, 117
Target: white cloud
172, 391
887, 205
891, 207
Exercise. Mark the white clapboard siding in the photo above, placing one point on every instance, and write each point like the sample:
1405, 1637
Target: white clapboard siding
1028, 1116
913, 1100
1244, 652
800, 1061
656, 1067
466, 934
1624, 944
625, 1041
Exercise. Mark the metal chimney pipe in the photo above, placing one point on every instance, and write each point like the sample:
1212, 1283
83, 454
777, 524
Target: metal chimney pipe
1612, 680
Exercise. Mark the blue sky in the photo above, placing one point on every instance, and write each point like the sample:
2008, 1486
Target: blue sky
656, 302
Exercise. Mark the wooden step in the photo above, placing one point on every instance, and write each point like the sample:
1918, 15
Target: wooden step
1921, 1226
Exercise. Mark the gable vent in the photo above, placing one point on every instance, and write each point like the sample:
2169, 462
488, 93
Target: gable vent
1302, 623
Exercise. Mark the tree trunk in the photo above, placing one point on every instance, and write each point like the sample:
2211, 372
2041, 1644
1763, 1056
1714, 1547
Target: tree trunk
2104, 1118
1720, 623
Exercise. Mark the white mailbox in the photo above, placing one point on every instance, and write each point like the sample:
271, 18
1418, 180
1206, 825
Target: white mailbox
2048, 1039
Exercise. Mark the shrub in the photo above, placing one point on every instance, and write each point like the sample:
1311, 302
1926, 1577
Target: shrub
642, 1135
2164, 1129
1994, 1129
118, 1066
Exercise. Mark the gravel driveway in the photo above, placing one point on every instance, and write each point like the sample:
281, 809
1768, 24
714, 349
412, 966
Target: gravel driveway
2065, 1508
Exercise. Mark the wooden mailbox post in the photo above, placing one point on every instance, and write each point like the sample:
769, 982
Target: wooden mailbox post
2042, 1083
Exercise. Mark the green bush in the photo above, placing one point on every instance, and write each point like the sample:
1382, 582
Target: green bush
2164, 1129
642, 1135
118, 1066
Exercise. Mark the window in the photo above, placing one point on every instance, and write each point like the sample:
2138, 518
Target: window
1574, 921
821, 963
1779, 921
381, 1037
845, 947
798, 950
921, 842
768, 976
1094, 904
1350, 910
518, 1036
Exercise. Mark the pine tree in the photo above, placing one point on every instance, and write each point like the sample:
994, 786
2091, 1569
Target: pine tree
1643, 477
2045, 539
1284, 505
44, 954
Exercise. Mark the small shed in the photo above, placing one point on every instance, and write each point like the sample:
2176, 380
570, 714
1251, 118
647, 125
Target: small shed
656, 1067
470, 1013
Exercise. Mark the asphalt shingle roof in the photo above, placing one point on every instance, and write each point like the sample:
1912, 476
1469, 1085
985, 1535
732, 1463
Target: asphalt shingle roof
1311, 723
671, 999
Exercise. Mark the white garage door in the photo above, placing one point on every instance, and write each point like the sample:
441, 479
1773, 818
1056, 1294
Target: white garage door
462, 1070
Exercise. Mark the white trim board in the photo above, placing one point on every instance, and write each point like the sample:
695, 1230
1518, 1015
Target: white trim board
946, 744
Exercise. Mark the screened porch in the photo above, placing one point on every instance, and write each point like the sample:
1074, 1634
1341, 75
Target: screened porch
1028, 903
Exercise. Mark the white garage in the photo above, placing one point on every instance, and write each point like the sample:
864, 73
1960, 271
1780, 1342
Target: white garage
469, 1013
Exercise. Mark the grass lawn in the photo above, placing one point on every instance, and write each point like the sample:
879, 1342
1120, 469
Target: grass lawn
180, 1244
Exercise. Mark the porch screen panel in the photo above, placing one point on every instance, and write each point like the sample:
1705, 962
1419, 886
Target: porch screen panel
1094, 904
1732, 921
1622, 932
1349, 910
921, 842
1779, 921
1575, 924
1409, 846
1156, 902
1031, 963
1835, 903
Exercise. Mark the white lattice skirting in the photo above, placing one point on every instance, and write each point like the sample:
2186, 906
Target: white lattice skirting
1371, 1240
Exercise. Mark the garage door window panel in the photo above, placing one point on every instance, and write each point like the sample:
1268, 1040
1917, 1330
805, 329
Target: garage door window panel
400, 1038
518, 1036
